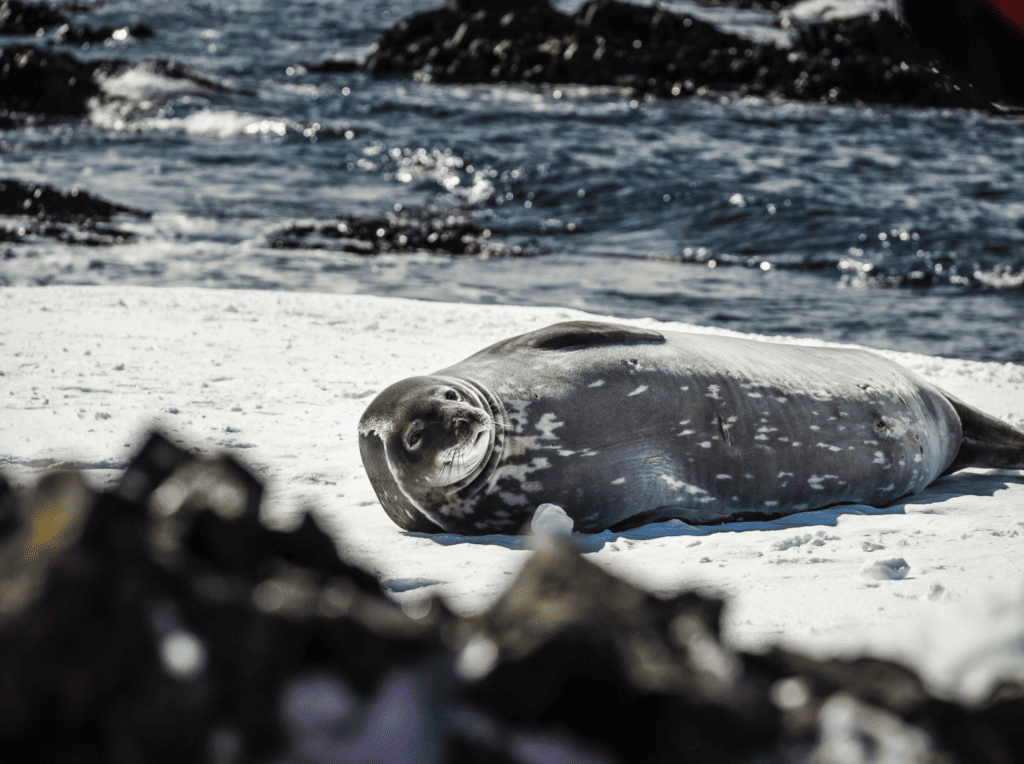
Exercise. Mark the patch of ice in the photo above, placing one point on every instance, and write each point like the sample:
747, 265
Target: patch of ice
550, 518
886, 570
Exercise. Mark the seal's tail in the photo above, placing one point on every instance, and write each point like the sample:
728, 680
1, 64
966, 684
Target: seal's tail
987, 441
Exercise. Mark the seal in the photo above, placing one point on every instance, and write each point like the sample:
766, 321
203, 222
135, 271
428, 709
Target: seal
623, 426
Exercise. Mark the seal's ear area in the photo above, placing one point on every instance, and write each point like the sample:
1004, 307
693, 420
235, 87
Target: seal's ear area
570, 335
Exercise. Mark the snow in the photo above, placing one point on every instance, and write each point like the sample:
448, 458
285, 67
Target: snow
279, 380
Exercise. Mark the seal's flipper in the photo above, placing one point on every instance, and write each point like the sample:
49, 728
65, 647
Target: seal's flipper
569, 335
987, 441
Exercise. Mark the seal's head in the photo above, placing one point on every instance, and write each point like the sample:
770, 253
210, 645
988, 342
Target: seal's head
424, 441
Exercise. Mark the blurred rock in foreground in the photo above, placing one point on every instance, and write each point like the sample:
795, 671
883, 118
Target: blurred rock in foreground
161, 621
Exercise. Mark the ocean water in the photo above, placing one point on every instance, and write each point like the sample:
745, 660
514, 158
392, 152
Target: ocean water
897, 228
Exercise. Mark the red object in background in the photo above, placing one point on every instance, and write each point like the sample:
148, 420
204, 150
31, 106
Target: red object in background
1013, 10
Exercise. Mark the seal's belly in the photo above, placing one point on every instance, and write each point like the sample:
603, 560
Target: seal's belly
667, 435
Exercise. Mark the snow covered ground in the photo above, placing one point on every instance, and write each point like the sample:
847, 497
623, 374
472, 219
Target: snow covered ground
279, 380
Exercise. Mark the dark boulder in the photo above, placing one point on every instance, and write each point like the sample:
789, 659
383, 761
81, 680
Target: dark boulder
43, 82
41, 201
412, 230
870, 59
72, 217
973, 38
17, 17
69, 35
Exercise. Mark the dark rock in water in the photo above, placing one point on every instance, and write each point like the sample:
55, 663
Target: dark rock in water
38, 82
503, 6
69, 35
753, 5
43, 82
334, 66
45, 202
652, 50
845, 59
174, 70
406, 232
975, 39
73, 217
17, 17
163, 622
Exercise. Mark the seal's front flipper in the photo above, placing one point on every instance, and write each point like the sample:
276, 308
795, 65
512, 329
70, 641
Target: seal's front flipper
987, 441
570, 335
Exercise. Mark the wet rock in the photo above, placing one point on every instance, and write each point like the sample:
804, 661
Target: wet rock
405, 232
174, 70
39, 211
975, 39
85, 36
334, 66
867, 58
870, 58
17, 17
43, 82
41, 201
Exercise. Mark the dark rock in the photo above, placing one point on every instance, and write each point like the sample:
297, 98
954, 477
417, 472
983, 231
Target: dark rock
870, 58
405, 232
45, 202
754, 5
334, 66
153, 638
163, 622
975, 39
43, 82
69, 35
652, 50
174, 70
580, 648
73, 217
17, 17
503, 6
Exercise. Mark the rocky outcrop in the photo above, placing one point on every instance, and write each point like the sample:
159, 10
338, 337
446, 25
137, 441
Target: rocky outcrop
973, 38
869, 59
17, 17
42, 83
20, 18
35, 81
161, 621
38, 211
412, 230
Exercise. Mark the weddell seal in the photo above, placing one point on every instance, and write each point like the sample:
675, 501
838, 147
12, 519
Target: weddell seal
623, 426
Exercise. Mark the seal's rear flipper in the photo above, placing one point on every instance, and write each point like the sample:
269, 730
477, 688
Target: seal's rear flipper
987, 441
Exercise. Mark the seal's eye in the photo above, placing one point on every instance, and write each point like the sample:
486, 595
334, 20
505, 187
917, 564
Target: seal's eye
451, 395
413, 436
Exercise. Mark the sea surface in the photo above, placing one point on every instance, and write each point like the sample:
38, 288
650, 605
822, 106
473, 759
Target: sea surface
897, 228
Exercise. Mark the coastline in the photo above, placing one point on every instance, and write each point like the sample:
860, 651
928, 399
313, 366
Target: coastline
279, 380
